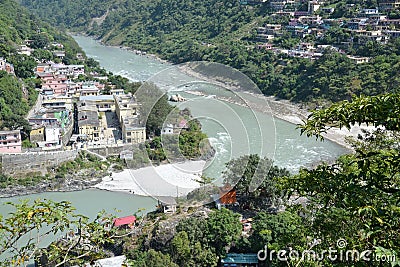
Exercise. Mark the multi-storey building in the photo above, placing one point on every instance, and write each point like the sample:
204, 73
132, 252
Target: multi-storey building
10, 142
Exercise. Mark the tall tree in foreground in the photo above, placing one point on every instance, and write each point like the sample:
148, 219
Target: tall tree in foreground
358, 197
23, 231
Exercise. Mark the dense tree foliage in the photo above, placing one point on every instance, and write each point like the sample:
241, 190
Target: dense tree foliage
357, 197
199, 241
13, 103
22, 233
152, 258
254, 179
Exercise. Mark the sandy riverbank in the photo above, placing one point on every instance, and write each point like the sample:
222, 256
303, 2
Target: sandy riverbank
177, 179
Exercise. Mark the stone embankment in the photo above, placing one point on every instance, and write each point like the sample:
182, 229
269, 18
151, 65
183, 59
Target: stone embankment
30, 162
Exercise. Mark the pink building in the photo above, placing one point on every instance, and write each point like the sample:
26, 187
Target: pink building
58, 85
10, 142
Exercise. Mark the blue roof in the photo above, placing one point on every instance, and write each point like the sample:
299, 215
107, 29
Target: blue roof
96, 98
240, 258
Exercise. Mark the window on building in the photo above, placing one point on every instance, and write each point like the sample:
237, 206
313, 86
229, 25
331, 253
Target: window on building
128, 133
129, 140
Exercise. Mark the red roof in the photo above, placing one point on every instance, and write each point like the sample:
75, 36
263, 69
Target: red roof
124, 220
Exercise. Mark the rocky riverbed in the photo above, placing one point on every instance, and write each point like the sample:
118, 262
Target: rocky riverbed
80, 180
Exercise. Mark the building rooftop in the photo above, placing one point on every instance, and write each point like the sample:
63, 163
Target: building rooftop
240, 258
132, 123
97, 98
167, 200
10, 132
124, 220
88, 117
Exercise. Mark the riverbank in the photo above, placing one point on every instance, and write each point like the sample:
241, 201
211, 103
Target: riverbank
175, 180
72, 185
126, 48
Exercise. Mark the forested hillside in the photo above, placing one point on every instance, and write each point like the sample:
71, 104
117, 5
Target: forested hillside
17, 92
223, 31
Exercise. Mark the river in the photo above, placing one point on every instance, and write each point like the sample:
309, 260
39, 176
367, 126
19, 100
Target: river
280, 140
233, 131
254, 132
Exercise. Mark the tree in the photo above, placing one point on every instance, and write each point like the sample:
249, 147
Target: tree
254, 178
152, 258
180, 248
356, 198
24, 65
382, 110
154, 107
278, 231
42, 55
30, 223
40, 41
223, 229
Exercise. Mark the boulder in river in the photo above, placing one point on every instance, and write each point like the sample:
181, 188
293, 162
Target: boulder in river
177, 98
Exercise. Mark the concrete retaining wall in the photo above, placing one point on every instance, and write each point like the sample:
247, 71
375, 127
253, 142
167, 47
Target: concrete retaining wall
110, 150
68, 133
15, 164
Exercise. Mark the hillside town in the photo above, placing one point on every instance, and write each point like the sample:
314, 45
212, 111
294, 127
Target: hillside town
71, 112
311, 21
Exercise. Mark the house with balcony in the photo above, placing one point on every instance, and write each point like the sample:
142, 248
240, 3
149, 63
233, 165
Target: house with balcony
54, 85
5, 66
132, 131
388, 5
365, 36
392, 34
37, 134
59, 54
10, 142
52, 138
55, 117
389, 24
88, 89
25, 50
103, 103
89, 124
127, 110
358, 60
125, 106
